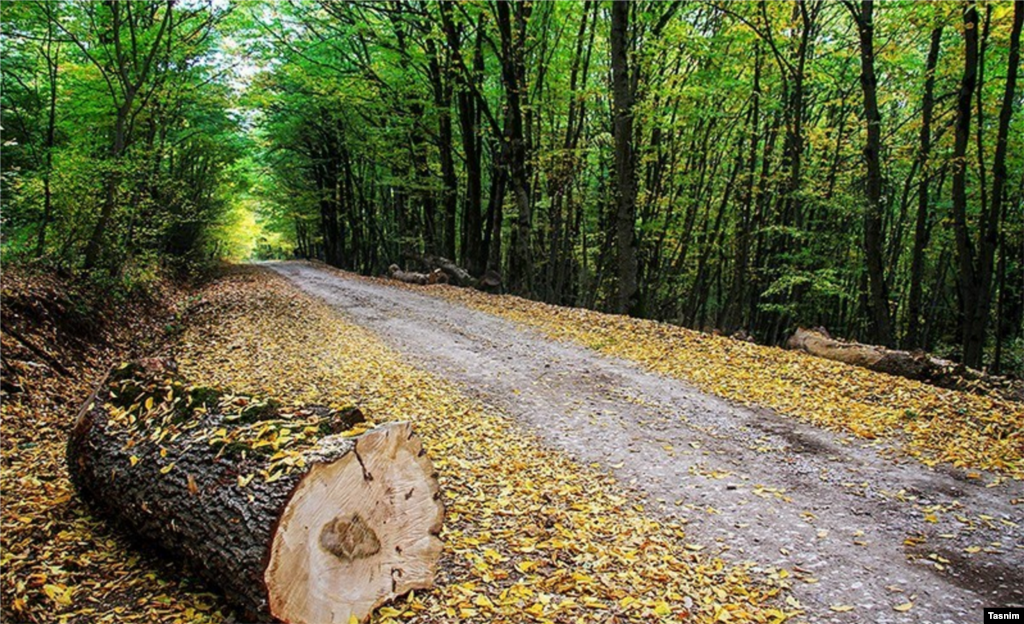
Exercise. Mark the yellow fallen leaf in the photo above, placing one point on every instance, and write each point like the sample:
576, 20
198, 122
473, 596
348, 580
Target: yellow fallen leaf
58, 593
841, 608
167, 468
906, 606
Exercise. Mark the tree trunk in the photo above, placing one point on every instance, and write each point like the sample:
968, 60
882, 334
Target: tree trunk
967, 278
311, 533
873, 233
912, 338
441, 86
989, 230
52, 67
112, 181
513, 73
627, 300
732, 317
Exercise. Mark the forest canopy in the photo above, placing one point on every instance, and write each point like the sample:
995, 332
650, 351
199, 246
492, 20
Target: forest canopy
720, 165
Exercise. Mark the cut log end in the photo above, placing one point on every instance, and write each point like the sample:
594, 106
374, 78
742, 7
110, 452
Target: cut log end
358, 531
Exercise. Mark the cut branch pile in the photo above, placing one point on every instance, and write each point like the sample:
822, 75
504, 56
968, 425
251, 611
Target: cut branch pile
292, 513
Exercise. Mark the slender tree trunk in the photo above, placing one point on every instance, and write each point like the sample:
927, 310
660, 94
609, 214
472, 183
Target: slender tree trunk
964, 249
442, 89
52, 67
912, 338
733, 314
491, 248
1001, 323
627, 300
874, 244
513, 72
468, 126
988, 235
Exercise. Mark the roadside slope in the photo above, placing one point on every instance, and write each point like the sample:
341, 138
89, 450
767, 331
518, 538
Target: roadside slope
59, 337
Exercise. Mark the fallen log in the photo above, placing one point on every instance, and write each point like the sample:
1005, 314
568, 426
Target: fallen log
290, 518
916, 365
409, 277
457, 275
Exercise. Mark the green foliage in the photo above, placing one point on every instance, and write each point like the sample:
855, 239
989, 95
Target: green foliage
366, 134
114, 115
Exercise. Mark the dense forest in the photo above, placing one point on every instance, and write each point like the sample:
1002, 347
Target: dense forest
726, 165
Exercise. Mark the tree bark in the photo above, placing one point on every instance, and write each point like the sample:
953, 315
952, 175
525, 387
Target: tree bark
627, 300
873, 233
311, 533
912, 338
967, 277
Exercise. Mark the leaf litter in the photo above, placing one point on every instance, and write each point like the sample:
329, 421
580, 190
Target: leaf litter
530, 536
58, 563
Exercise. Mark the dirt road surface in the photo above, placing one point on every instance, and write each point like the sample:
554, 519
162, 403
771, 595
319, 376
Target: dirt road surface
851, 526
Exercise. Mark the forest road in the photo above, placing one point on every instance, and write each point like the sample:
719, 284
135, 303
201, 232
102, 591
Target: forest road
852, 527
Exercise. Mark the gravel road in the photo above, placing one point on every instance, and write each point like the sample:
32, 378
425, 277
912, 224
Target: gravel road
850, 525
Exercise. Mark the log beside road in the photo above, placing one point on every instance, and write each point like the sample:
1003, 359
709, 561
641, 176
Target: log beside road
409, 277
455, 275
917, 365
281, 511
912, 365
